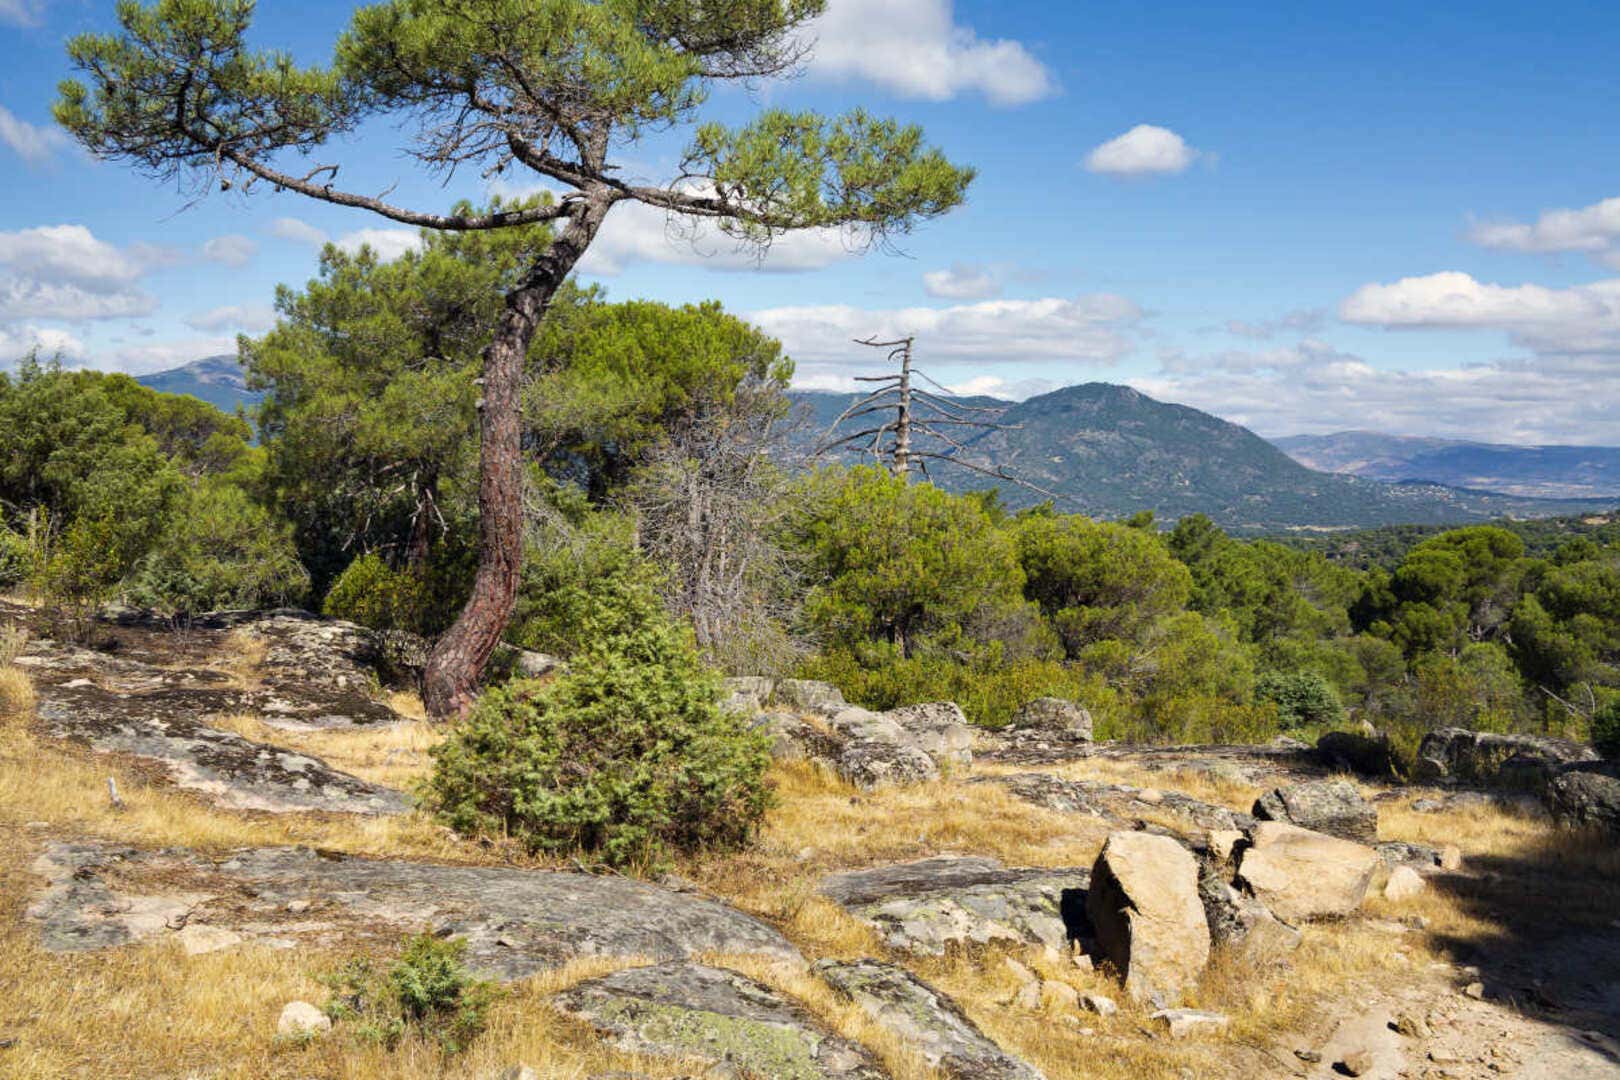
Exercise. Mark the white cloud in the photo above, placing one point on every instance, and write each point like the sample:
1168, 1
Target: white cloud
1594, 230
298, 231
1095, 329
232, 249
16, 341
36, 145
22, 12
388, 244
1306, 321
248, 318
963, 281
65, 272
163, 355
1142, 151
915, 48
637, 233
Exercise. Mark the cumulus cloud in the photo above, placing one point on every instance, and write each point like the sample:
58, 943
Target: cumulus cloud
916, 49
232, 249
17, 341
1305, 321
297, 231
1145, 150
1593, 230
963, 281
1090, 330
248, 318
638, 233
388, 244
35, 144
65, 272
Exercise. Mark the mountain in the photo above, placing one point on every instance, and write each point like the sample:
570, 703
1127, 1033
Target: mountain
1554, 472
218, 380
1110, 451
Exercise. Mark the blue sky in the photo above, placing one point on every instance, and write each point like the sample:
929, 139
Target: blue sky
1398, 217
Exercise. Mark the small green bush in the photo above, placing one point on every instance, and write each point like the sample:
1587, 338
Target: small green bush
1606, 730
428, 990
375, 595
628, 755
1303, 698
16, 559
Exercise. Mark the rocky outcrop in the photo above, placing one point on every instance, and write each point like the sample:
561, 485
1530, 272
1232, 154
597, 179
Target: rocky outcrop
809, 696
716, 1016
868, 749
924, 906
515, 922
1481, 757
1358, 752
923, 1018
161, 726
1117, 802
1586, 798
1300, 874
1149, 921
1334, 807
1055, 715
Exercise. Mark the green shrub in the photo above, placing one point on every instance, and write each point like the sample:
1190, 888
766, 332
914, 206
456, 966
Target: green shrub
628, 755
375, 595
575, 592
1303, 698
1606, 730
222, 551
428, 990
16, 559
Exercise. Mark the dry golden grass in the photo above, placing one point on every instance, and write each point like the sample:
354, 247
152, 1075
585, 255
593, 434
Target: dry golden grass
151, 1011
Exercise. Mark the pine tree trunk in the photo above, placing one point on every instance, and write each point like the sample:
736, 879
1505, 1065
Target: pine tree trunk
450, 684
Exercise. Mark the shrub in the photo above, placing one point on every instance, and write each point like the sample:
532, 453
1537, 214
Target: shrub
1303, 698
16, 559
574, 592
375, 595
1606, 730
427, 989
222, 551
628, 755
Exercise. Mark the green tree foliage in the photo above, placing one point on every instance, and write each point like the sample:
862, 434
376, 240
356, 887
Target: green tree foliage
905, 564
1303, 699
628, 755
1606, 730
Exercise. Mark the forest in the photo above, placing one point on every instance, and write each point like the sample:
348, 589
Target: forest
661, 489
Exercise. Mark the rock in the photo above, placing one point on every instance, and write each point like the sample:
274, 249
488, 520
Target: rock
869, 764
1412, 1026
810, 695
793, 738
1427, 806
1403, 884
715, 1016
1356, 1063
1299, 874
515, 1072
1060, 996
1451, 858
1118, 802
1357, 751
197, 939
1100, 1004
746, 693
1475, 990
516, 922
1517, 761
528, 664
1056, 715
1585, 798
1223, 843
1239, 923
926, 905
1028, 996
1149, 920
939, 729
301, 1020
1183, 1023
162, 726
1333, 807
1419, 857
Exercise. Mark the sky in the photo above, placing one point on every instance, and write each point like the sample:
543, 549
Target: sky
1303, 218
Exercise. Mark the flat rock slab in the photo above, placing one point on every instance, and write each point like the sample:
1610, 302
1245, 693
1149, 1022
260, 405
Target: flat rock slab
1117, 802
162, 726
927, 905
717, 1017
922, 1017
1235, 762
515, 922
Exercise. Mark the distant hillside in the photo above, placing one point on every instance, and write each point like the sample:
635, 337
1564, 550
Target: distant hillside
1549, 472
218, 380
1110, 451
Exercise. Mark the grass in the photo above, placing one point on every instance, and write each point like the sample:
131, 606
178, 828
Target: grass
150, 1010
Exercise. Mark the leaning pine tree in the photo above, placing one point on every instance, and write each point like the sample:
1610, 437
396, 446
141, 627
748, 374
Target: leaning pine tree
557, 87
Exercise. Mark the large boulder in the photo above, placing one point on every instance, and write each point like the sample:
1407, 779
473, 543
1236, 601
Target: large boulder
809, 695
719, 1017
871, 763
1056, 715
1358, 752
938, 728
1299, 874
1117, 802
927, 905
1586, 798
746, 693
923, 1018
1147, 915
1483, 757
1334, 807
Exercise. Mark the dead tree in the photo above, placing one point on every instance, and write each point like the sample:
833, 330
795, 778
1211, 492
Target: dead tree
907, 416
